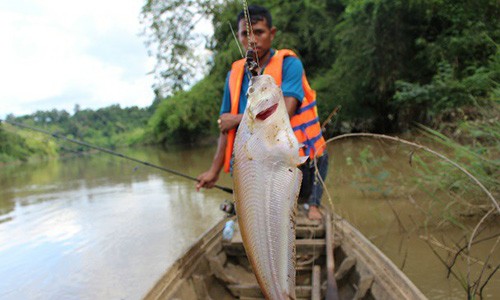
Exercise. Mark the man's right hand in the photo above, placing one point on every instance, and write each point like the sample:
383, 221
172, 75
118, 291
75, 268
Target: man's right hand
228, 121
207, 180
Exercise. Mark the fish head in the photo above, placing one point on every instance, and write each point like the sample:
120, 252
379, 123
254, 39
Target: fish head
263, 97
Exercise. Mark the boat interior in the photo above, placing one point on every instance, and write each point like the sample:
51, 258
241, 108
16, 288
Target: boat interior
332, 258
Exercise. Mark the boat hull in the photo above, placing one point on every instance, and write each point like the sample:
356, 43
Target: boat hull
216, 269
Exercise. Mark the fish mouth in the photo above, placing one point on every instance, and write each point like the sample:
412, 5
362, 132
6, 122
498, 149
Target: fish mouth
266, 112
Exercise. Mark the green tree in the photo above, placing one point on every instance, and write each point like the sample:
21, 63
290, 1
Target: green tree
170, 37
174, 122
389, 63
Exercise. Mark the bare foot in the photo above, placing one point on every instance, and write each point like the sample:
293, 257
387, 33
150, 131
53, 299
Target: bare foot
314, 213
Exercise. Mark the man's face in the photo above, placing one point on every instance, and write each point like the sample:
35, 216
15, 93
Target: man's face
263, 36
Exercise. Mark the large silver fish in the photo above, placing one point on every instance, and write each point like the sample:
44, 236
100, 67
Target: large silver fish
267, 183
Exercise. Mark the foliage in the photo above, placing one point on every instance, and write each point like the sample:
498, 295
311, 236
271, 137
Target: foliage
481, 158
109, 127
388, 63
391, 46
24, 146
187, 116
173, 123
446, 92
169, 32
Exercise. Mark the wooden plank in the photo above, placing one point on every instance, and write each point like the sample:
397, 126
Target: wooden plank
185, 265
316, 283
200, 266
309, 232
200, 287
304, 221
364, 285
347, 264
389, 282
262, 298
332, 291
253, 291
304, 246
216, 264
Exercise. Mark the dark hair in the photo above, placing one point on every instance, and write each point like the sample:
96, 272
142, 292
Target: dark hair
257, 13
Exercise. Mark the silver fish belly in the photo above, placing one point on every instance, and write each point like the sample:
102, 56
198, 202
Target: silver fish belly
267, 183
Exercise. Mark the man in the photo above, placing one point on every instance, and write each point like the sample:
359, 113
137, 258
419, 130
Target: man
300, 102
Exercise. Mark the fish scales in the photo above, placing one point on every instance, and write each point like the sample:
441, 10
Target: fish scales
267, 183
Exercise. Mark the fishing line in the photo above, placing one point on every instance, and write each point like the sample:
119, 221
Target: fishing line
225, 189
250, 34
236, 39
238, 44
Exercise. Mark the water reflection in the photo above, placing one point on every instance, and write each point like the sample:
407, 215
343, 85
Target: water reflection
96, 227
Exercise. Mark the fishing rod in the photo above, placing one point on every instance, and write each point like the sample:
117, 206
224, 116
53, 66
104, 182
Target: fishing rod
58, 136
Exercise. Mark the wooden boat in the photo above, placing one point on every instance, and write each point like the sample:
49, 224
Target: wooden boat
217, 269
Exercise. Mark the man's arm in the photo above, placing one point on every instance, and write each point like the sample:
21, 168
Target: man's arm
291, 104
226, 121
210, 177
292, 84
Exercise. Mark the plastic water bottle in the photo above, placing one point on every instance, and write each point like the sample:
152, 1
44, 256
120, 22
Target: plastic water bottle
227, 233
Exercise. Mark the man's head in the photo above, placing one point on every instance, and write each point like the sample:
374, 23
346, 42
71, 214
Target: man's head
262, 29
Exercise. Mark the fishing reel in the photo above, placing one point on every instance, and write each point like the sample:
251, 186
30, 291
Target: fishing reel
251, 62
228, 207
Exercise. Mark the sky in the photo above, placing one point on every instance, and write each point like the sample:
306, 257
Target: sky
58, 53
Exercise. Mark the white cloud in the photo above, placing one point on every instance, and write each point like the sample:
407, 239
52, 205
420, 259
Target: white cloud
57, 53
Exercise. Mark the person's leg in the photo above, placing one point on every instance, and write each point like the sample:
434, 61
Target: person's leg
317, 188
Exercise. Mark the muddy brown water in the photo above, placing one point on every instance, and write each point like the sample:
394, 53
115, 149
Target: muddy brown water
101, 227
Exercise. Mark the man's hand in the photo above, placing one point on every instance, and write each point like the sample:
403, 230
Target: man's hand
228, 121
210, 177
207, 180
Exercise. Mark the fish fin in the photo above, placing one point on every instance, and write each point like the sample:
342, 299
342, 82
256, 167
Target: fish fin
291, 235
298, 160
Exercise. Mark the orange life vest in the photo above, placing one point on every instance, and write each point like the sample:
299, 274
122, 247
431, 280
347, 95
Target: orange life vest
305, 122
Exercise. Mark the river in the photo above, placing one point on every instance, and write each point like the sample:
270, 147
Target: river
101, 227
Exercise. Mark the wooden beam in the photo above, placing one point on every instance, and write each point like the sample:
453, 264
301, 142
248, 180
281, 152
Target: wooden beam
200, 287
304, 246
364, 285
316, 283
347, 264
253, 291
309, 232
332, 291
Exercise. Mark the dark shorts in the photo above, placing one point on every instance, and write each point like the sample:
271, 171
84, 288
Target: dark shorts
312, 188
